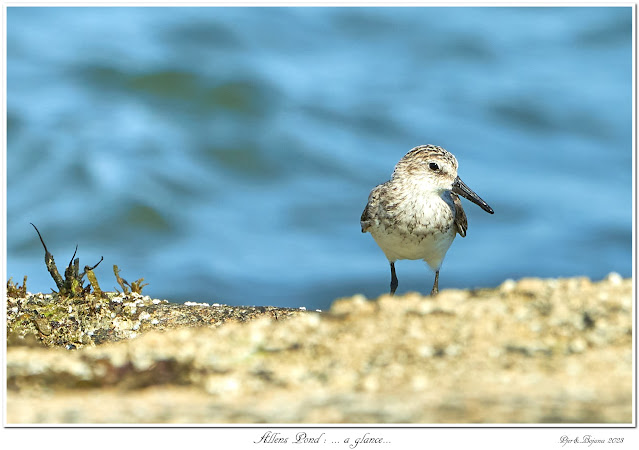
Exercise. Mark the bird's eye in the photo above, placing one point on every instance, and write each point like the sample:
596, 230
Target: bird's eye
433, 166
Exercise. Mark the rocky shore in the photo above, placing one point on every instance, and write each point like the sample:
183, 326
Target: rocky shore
528, 351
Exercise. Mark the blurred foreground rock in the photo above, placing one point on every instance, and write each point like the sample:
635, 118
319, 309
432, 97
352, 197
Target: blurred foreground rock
556, 351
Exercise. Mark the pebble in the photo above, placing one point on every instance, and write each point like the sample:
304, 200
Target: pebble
614, 278
508, 285
578, 345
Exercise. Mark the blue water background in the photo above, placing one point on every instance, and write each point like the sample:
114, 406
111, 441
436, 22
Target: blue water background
226, 154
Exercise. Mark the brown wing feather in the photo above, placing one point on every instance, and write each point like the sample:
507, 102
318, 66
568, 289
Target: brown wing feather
368, 215
365, 219
460, 216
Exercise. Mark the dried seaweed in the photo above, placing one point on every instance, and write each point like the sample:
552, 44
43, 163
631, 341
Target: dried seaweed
94, 281
15, 290
72, 285
135, 287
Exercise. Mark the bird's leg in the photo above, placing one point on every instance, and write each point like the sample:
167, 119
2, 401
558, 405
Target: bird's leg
394, 283
435, 289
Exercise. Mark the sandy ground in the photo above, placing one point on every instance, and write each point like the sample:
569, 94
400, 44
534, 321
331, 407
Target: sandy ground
531, 351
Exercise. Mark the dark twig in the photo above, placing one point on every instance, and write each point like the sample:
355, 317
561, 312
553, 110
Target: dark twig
49, 261
76, 251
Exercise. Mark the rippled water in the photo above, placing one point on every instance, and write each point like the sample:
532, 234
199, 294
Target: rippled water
226, 154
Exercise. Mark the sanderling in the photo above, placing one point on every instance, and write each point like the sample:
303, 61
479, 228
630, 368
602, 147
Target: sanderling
417, 214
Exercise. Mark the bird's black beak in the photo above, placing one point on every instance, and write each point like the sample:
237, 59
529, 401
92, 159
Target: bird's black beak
459, 187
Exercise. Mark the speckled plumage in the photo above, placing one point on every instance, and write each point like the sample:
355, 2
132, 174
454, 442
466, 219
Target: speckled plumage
417, 213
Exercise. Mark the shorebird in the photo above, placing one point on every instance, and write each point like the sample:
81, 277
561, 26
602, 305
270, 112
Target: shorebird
417, 213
